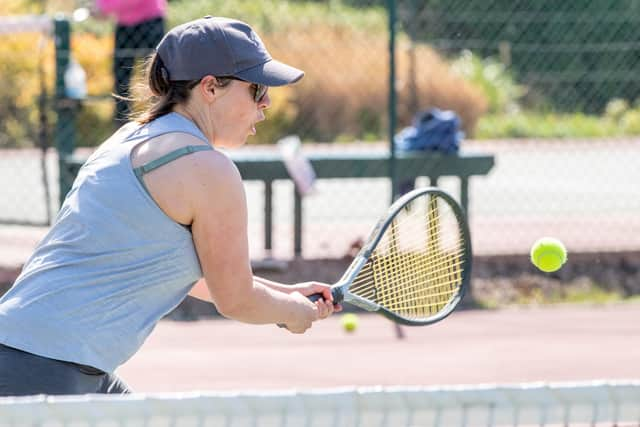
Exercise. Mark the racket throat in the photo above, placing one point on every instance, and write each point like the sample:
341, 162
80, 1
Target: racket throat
361, 302
347, 279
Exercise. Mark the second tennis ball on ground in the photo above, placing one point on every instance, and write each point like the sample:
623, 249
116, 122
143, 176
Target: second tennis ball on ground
349, 322
548, 254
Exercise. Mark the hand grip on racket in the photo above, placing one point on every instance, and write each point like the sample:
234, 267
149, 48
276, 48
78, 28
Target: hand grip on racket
416, 264
316, 297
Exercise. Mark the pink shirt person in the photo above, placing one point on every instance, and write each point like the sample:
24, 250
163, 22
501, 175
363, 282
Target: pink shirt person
132, 12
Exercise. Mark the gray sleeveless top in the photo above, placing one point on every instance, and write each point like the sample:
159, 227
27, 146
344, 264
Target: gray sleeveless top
111, 266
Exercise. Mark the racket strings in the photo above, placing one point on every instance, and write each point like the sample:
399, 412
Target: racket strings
436, 270
439, 277
416, 270
365, 275
414, 296
418, 299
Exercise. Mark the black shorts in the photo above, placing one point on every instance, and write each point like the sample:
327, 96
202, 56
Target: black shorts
23, 374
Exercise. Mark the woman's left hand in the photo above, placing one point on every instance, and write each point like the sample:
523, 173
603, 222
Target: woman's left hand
325, 305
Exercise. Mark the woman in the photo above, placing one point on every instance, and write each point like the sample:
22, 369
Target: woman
155, 210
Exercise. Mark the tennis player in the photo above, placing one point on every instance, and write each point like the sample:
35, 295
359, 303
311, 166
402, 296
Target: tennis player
155, 214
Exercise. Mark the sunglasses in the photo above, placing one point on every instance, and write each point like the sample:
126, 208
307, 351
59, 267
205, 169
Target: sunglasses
258, 91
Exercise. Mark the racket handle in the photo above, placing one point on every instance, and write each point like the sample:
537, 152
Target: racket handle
336, 293
315, 297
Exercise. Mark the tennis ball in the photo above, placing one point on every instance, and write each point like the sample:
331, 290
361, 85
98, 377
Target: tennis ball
548, 254
349, 322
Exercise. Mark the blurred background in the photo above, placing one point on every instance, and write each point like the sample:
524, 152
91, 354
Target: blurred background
542, 131
547, 94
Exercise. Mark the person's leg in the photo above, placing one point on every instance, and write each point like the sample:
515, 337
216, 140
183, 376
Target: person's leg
151, 32
131, 43
111, 384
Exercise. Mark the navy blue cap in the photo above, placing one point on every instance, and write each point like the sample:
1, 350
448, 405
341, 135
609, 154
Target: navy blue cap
221, 47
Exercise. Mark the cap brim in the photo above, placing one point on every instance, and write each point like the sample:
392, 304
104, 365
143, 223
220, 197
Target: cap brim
271, 73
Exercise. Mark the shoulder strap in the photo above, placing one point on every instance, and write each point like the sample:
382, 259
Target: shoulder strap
169, 157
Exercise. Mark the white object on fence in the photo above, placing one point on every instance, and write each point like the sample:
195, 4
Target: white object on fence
299, 167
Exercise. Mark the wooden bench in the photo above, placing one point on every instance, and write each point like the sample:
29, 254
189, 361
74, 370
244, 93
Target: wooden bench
268, 167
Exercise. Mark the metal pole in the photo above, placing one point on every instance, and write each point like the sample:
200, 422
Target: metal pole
297, 223
43, 133
268, 218
392, 96
393, 115
65, 125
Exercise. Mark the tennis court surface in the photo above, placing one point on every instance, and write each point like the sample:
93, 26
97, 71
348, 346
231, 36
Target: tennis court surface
569, 343
219, 373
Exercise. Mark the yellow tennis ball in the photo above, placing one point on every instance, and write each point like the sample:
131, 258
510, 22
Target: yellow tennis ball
548, 254
349, 322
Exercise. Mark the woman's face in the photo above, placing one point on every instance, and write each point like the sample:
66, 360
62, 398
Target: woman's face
235, 113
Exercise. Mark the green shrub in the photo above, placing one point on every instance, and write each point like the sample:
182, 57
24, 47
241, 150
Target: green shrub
20, 58
344, 51
277, 16
329, 102
630, 122
492, 77
585, 43
616, 109
548, 125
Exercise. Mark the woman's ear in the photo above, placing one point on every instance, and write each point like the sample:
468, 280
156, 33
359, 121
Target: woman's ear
208, 85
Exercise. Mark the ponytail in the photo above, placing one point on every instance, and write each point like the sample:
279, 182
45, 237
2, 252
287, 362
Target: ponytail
165, 93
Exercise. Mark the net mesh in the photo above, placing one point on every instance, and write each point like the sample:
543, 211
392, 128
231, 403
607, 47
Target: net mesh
577, 404
416, 269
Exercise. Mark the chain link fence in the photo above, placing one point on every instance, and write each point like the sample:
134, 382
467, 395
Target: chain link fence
561, 90
26, 164
548, 89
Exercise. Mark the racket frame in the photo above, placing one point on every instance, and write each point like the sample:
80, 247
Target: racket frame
340, 290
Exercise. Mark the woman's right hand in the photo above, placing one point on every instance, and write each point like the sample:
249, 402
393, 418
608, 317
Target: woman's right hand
305, 313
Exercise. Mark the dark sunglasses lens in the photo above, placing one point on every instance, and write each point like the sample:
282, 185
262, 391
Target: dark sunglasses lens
259, 91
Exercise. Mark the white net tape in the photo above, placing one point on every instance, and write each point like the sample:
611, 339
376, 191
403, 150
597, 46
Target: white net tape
595, 403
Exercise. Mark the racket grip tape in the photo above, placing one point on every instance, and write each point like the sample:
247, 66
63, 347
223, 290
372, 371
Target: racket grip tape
336, 293
315, 297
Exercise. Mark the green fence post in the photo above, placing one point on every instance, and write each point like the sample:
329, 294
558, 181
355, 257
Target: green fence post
391, 6
464, 195
268, 218
297, 223
64, 107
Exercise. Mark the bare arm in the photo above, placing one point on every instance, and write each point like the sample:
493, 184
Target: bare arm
306, 289
219, 228
201, 291
205, 190
280, 287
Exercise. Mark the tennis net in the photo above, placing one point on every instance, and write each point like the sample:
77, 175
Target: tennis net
569, 404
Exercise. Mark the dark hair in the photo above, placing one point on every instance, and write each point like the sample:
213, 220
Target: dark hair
165, 93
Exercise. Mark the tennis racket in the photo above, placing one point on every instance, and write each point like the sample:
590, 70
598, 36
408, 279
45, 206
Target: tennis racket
415, 266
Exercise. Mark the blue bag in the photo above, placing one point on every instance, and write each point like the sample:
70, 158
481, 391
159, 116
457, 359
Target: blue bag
432, 130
